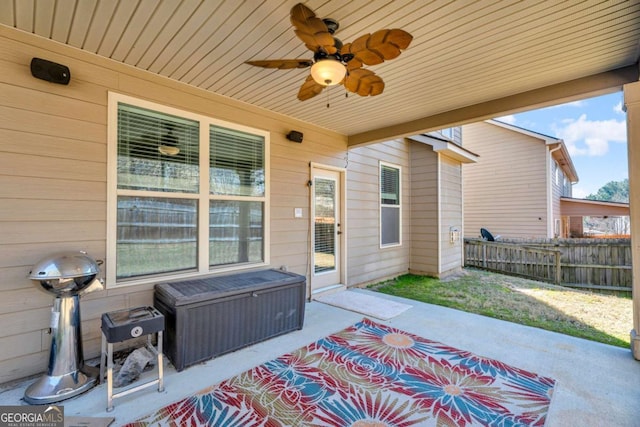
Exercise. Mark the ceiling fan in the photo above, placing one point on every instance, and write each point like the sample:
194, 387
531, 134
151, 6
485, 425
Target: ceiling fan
334, 63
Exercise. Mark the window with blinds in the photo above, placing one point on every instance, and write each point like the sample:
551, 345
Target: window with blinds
161, 188
390, 205
236, 171
157, 152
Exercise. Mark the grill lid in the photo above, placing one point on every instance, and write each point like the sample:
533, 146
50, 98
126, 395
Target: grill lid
65, 265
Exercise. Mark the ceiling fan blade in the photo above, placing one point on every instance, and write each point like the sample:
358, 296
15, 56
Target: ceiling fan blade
389, 43
282, 64
312, 30
353, 63
364, 82
373, 49
398, 37
309, 40
309, 89
301, 13
363, 53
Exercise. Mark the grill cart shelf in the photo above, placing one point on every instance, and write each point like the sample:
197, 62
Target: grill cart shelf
208, 317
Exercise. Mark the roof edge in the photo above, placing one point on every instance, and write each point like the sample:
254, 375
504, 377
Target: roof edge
447, 148
595, 202
546, 138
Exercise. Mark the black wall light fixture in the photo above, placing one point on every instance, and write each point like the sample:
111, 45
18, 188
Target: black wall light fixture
295, 136
50, 71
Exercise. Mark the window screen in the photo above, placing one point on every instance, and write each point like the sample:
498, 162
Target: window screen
155, 235
390, 207
235, 232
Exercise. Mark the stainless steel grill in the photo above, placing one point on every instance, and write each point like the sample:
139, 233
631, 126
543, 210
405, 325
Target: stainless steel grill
66, 276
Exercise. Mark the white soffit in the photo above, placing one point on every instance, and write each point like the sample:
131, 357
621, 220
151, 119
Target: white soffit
464, 53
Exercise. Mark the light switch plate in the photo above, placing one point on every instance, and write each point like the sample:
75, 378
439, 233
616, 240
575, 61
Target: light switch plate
297, 212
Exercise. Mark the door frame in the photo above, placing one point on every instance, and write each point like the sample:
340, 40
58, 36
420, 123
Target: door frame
342, 274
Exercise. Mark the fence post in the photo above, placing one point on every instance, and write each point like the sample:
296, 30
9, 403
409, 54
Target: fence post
558, 268
484, 255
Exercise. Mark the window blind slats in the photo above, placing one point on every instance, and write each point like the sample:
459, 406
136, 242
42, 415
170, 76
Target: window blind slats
237, 163
389, 186
142, 136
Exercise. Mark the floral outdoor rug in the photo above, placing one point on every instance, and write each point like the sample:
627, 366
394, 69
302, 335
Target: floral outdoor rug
369, 374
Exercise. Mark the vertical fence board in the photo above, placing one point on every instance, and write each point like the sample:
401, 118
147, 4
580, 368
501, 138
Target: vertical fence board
603, 264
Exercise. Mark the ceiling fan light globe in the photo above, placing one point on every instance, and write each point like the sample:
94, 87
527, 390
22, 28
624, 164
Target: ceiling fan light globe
328, 72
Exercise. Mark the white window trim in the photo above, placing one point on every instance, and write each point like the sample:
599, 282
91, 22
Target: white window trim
203, 205
380, 205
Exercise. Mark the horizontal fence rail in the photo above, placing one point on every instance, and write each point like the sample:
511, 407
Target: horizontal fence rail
602, 264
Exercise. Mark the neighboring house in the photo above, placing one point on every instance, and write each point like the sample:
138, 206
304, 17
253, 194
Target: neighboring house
577, 209
515, 188
164, 181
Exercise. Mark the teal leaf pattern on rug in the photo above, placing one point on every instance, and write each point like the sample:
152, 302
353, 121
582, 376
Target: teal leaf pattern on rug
369, 374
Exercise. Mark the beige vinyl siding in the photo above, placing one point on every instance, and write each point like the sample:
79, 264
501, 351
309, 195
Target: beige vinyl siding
290, 173
424, 210
53, 180
436, 205
506, 190
53, 188
450, 214
366, 260
457, 135
53, 197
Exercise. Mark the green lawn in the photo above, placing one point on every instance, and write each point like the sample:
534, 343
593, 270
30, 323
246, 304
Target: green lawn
597, 317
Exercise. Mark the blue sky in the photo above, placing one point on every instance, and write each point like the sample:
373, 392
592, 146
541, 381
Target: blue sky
594, 131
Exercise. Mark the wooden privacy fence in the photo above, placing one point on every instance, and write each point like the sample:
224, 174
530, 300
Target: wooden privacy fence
603, 264
519, 260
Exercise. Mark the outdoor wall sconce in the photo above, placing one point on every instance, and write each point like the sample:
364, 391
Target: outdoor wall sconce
295, 136
50, 71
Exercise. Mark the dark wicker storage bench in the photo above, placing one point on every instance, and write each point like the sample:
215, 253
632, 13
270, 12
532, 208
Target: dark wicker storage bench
208, 317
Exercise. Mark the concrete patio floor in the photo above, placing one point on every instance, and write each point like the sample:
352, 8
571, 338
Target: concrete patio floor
597, 384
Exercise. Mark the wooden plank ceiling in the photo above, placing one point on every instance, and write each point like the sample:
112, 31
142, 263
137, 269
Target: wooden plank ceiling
464, 53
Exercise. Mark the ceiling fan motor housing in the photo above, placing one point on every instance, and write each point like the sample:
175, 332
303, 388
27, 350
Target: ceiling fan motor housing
332, 25
320, 55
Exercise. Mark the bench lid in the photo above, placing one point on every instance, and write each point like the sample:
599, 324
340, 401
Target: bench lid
206, 288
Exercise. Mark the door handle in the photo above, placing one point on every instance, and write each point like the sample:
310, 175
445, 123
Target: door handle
339, 232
